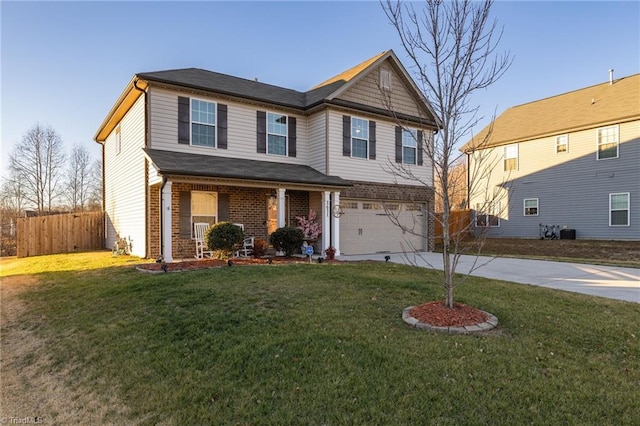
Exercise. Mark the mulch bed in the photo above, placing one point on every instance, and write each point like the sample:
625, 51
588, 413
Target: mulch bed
189, 265
437, 314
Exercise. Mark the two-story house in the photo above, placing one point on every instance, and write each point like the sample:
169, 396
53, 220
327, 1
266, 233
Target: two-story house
190, 145
571, 160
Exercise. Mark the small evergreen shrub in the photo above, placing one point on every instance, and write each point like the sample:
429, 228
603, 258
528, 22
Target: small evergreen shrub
224, 237
287, 239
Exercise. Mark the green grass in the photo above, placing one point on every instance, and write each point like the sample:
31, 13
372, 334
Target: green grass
325, 344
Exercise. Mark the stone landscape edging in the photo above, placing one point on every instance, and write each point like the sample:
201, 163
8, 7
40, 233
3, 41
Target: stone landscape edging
491, 322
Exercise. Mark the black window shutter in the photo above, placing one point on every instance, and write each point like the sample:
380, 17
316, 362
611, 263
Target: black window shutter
183, 120
292, 136
372, 140
419, 147
346, 135
222, 126
185, 214
262, 132
223, 207
398, 144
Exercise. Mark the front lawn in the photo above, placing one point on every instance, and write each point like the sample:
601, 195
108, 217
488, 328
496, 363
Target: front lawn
316, 344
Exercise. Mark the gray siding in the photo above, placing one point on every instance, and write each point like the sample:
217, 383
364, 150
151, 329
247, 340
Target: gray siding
572, 188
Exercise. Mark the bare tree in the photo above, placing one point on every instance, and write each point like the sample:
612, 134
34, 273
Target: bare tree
12, 205
95, 187
37, 162
78, 185
452, 50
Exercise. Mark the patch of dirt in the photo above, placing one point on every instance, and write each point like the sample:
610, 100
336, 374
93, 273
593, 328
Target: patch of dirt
437, 314
31, 390
597, 250
187, 265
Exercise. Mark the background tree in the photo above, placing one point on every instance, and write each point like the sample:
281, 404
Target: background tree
451, 47
37, 162
95, 187
12, 205
79, 179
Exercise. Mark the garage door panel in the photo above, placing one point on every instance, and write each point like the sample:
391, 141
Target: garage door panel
370, 229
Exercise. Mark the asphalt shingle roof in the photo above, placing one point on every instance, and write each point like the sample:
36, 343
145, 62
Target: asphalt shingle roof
588, 107
179, 163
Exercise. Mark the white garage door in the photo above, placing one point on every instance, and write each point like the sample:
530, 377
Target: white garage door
365, 227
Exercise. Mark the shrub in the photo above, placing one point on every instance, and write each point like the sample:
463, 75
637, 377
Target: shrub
259, 247
224, 237
287, 239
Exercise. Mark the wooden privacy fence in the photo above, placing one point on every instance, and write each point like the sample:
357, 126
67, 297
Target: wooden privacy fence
60, 233
459, 221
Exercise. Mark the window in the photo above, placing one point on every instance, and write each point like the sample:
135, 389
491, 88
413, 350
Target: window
510, 157
409, 146
608, 142
118, 140
359, 137
487, 215
385, 79
371, 206
531, 207
276, 134
204, 207
203, 123
392, 207
353, 205
562, 144
619, 209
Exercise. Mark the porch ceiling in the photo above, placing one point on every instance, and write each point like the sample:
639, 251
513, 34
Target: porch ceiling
179, 163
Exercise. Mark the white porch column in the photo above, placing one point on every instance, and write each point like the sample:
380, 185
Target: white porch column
335, 224
325, 218
281, 207
166, 222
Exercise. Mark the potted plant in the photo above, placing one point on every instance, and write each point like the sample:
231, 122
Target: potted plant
330, 252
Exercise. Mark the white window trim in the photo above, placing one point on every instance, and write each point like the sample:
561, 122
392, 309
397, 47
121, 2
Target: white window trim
286, 135
215, 123
367, 139
617, 128
558, 144
415, 158
505, 158
491, 211
524, 206
628, 209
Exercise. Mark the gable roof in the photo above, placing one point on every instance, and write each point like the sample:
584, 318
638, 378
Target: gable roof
581, 109
186, 164
214, 82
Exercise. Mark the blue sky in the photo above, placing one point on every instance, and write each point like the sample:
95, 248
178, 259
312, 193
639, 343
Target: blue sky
64, 63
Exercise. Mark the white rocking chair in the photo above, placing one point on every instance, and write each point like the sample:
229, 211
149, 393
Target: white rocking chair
247, 248
199, 229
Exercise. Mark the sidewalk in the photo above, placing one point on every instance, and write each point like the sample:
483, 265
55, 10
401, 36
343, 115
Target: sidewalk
603, 281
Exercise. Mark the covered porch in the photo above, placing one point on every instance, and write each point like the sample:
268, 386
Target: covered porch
269, 196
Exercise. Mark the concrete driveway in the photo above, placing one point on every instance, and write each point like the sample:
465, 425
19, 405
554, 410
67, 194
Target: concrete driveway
603, 281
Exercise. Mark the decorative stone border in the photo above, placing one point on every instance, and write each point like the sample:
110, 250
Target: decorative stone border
490, 323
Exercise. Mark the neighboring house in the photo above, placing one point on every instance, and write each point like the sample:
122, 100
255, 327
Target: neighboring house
190, 145
571, 160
